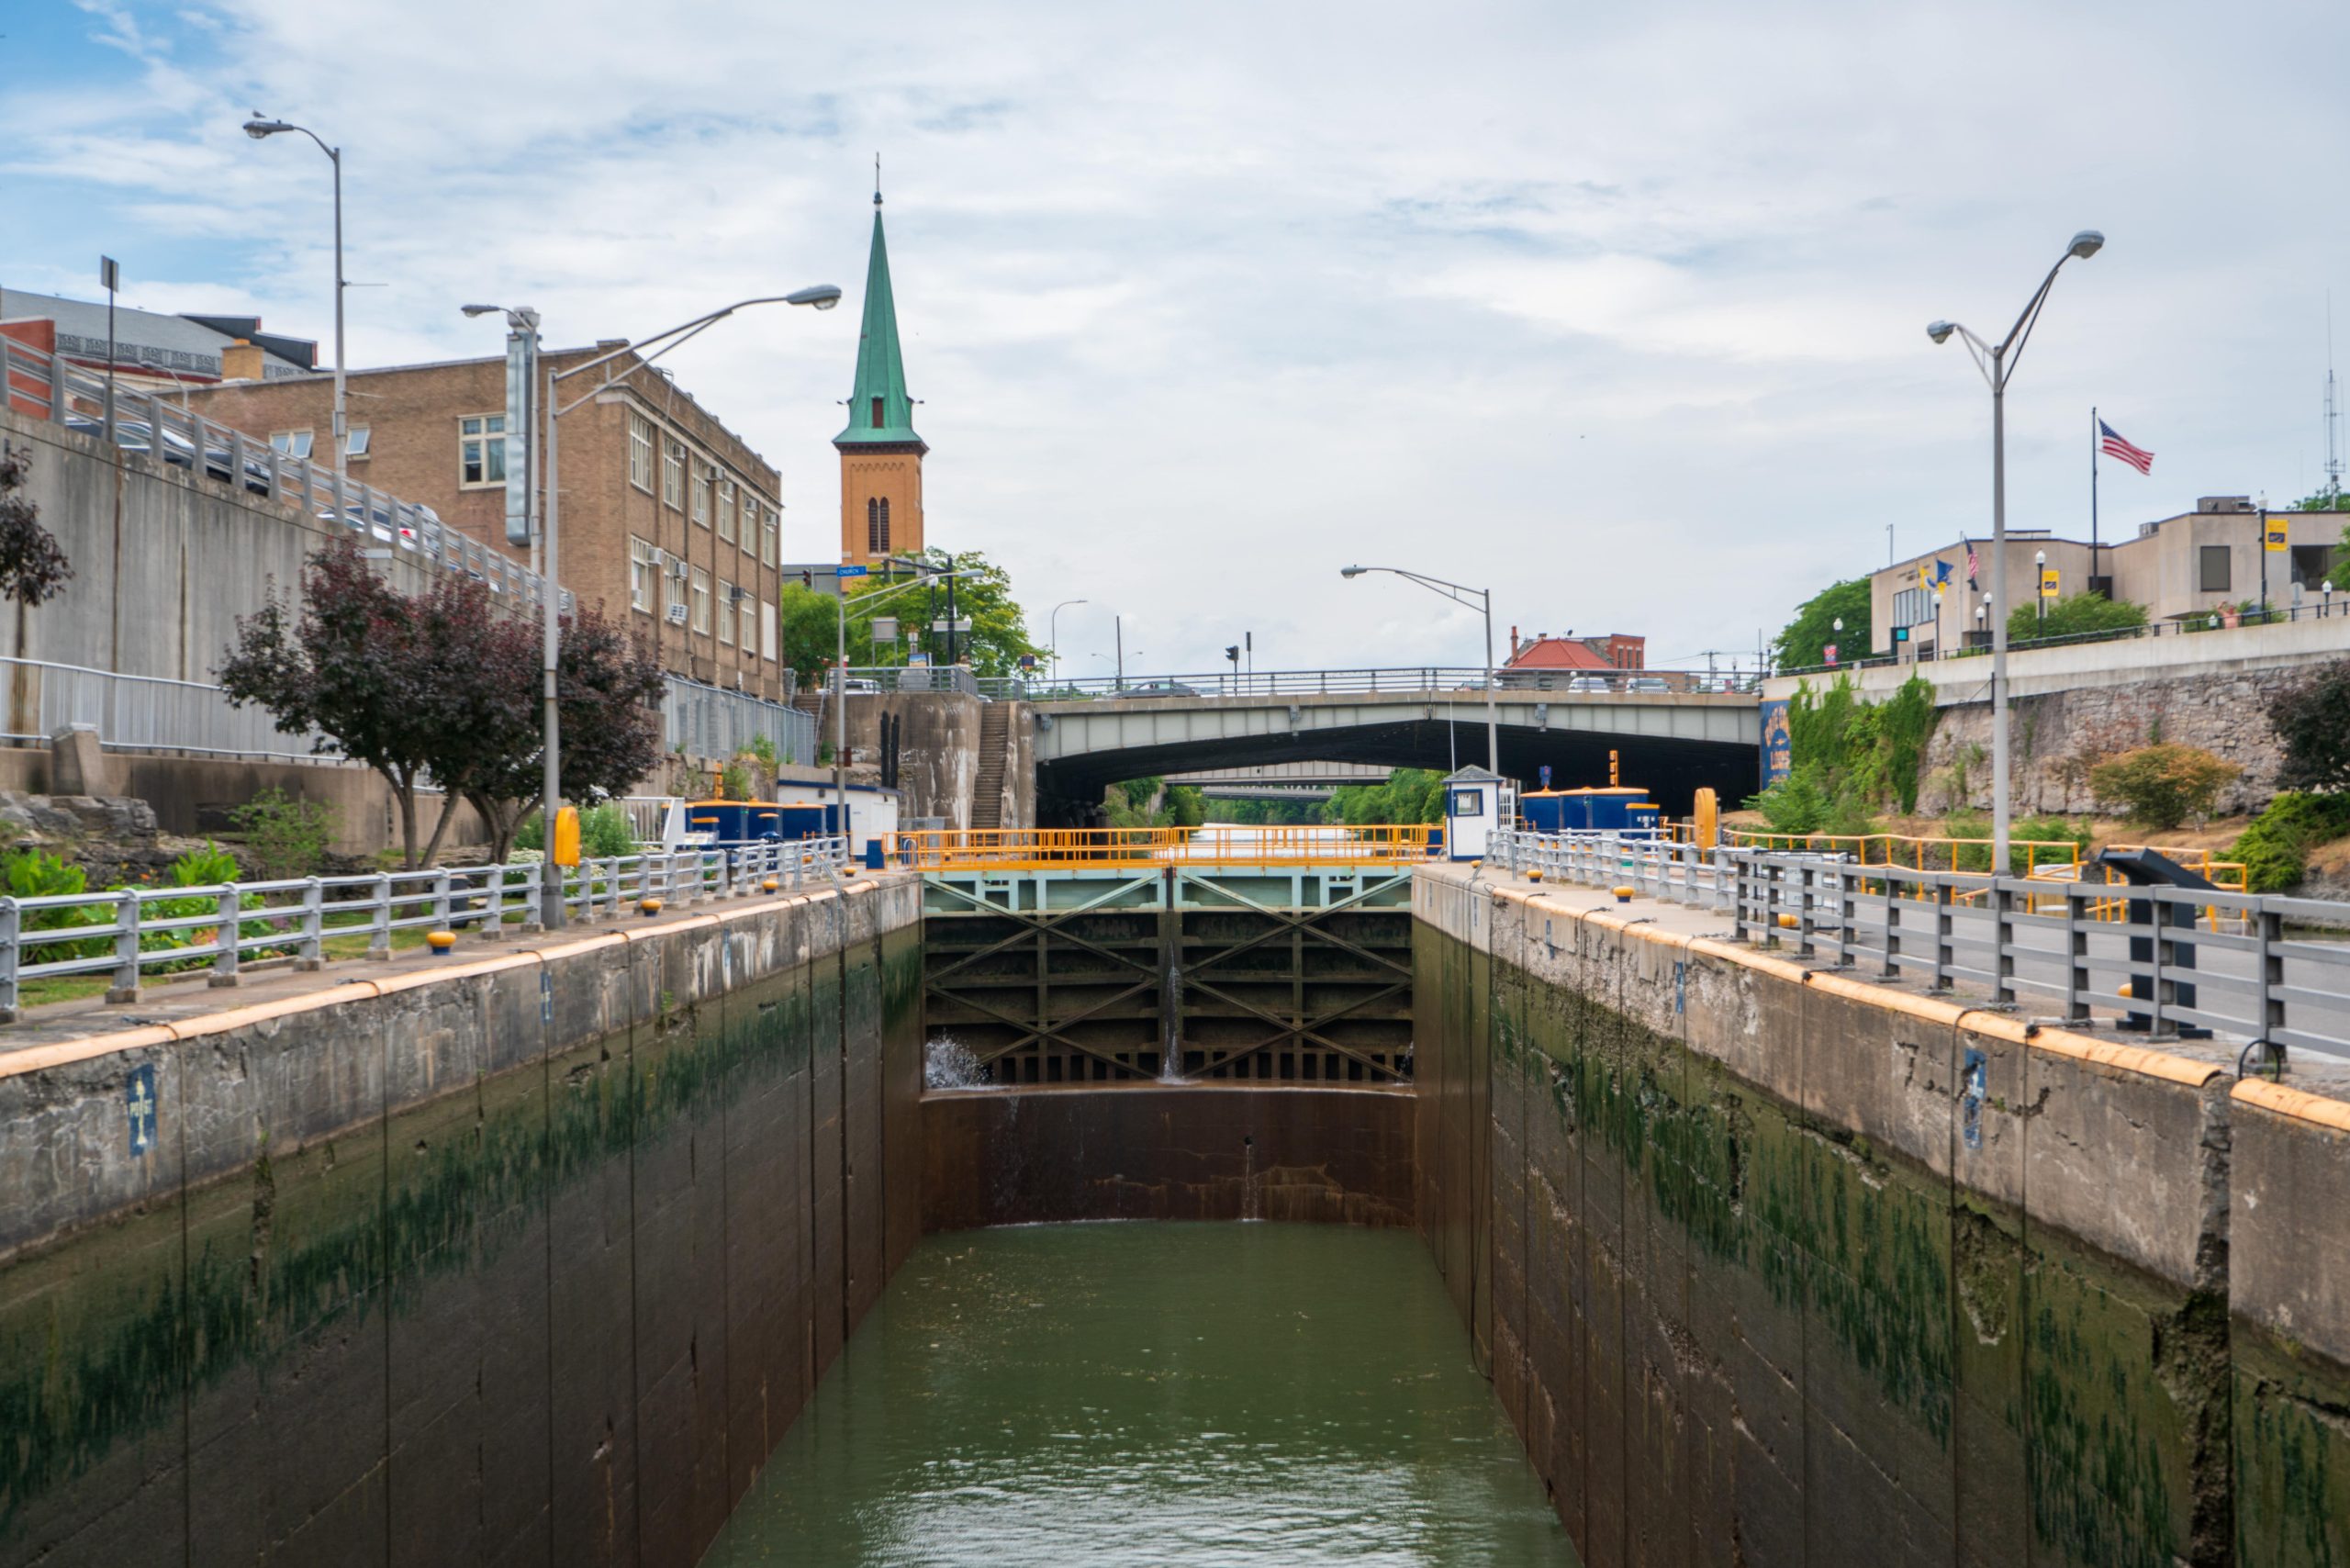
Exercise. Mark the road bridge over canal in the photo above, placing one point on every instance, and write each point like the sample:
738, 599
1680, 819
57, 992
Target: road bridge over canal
1673, 732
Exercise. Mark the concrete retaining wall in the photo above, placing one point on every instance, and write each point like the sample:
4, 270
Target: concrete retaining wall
1031, 1156
1771, 1266
528, 1258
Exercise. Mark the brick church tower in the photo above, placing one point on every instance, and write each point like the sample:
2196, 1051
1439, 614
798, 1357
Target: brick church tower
880, 455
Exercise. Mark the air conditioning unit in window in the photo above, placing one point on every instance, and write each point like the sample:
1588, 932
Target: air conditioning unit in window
677, 615
678, 569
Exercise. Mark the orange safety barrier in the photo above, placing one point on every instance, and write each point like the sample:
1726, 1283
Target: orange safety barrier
1055, 848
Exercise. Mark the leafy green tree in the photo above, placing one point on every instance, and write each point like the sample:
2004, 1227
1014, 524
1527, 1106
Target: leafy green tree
998, 633
1409, 795
1803, 643
32, 567
2164, 784
2075, 615
2311, 719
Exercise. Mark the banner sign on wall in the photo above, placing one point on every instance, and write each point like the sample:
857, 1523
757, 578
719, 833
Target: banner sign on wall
1778, 745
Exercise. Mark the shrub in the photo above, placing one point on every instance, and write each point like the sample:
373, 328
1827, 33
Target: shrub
2313, 721
2073, 616
761, 750
2162, 785
734, 781
1793, 804
2051, 829
2276, 848
36, 874
285, 837
605, 831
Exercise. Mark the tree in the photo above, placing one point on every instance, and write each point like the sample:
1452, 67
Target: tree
607, 689
1803, 643
998, 633
2075, 615
2311, 718
32, 567
396, 682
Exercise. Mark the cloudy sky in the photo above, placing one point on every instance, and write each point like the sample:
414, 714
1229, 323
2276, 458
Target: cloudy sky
1615, 308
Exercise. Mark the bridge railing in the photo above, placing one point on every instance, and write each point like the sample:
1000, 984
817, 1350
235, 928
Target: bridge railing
2266, 972
1402, 681
127, 934
1030, 849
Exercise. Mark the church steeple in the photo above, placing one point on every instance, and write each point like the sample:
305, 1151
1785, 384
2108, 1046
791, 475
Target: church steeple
880, 455
880, 410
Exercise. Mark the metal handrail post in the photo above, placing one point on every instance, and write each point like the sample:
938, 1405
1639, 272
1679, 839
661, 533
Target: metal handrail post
229, 905
126, 948
379, 928
309, 952
2003, 934
440, 882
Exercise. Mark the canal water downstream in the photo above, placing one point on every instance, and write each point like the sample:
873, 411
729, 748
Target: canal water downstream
1168, 1394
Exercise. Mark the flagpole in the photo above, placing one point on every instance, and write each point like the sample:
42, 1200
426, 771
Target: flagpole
2094, 428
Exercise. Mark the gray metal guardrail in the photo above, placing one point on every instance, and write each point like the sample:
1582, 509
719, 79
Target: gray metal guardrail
2252, 969
130, 933
152, 425
1401, 679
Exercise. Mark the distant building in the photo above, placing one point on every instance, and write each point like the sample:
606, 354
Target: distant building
153, 351
669, 518
2192, 564
1616, 650
880, 455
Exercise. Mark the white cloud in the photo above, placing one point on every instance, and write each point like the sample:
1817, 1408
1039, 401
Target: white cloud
1621, 314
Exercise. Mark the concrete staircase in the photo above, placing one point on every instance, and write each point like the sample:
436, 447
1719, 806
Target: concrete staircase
995, 743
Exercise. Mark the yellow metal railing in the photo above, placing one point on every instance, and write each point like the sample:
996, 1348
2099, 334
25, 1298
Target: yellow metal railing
1050, 849
1914, 852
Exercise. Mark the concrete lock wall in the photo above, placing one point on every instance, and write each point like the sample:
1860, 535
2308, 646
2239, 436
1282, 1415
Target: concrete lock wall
1770, 1266
526, 1260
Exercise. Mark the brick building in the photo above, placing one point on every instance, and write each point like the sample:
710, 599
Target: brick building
1616, 650
668, 517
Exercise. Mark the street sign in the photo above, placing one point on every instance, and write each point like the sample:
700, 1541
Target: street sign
885, 629
852, 571
109, 274
2048, 582
959, 625
2273, 535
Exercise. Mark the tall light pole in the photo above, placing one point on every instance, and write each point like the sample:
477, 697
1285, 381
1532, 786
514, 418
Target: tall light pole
261, 129
1997, 361
823, 297
1055, 636
2040, 587
840, 676
1459, 595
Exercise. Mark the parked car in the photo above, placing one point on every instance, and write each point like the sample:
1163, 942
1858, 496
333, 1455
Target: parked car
1649, 683
1155, 688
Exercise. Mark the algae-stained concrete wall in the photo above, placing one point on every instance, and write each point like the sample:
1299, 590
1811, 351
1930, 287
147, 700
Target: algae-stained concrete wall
1020, 1156
530, 1260
1787, 1269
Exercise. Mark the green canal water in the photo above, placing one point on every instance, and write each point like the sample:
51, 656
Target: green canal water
1154, 1394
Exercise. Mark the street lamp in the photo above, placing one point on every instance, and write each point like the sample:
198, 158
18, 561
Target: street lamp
1459, 595
823, 297
1997, 363
1054, 636
2040, 587
261, 129
840, 676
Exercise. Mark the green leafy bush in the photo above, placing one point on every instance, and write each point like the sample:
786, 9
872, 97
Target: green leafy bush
761, 750
606, 831
2276, 848
2052, 830
285, 837
2074, 615
36, 874
2164, 784
734, 781
2311, 718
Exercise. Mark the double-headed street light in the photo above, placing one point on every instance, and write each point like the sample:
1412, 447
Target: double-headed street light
261, 129
1997, 361
1459, 595
523, 325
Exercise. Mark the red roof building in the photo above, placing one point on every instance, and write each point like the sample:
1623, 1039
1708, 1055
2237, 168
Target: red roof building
1616, 650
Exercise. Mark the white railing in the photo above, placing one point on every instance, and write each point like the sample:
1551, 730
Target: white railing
2266, 971
162, 427
141, 711
130, 932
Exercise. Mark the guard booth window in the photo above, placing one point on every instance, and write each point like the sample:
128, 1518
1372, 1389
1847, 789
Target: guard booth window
2213, 564
1467, 802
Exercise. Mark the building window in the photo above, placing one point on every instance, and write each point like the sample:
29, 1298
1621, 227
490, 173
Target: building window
726, 509
673, 475
1913, 606
877, 526
354, 443
766, 630
751, 510
701, 495
294, 443
673, 597
877, 413
726, 592
640, 453
2214, 573
747, 610
702, 601
644, 566
768, 522
481, 451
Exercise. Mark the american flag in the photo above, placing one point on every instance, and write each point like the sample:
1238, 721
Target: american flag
1970, 563
2138, 458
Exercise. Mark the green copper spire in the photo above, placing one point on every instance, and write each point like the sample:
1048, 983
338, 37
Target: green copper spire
880, 410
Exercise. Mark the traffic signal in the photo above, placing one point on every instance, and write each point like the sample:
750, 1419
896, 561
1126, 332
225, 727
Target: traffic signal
1233, 652
808, 578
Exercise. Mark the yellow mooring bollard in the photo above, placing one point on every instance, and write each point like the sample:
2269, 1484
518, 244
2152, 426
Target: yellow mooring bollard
771, 884
1624, 893
440, 941
1787, 923
648, 906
